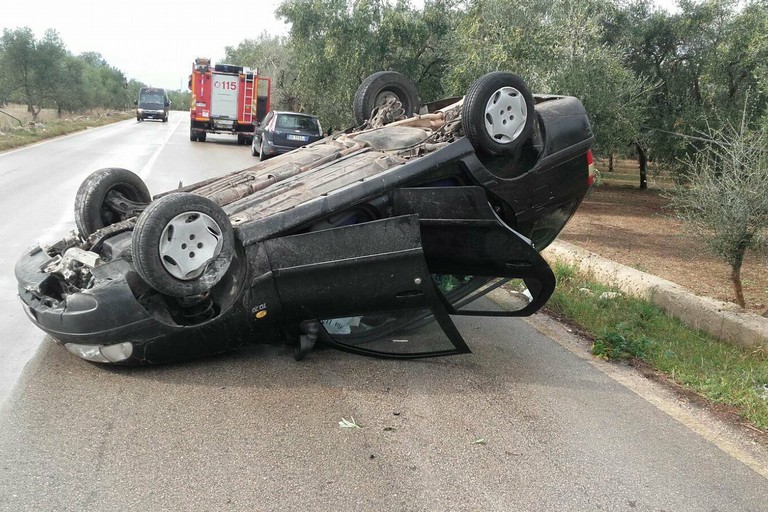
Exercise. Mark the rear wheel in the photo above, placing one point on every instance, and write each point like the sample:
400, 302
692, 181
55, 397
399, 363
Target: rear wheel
201, 136
498, 114
262, 156
379, 88
182, 244
100, 200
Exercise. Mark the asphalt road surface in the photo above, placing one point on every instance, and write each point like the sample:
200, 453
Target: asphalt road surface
527, 422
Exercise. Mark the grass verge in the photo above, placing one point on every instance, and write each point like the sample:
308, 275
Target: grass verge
632, 329
21, 136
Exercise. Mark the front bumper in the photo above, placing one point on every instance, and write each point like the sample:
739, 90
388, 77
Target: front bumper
151, 114
109, 322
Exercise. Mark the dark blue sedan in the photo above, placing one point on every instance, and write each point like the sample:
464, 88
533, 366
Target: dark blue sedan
281, 132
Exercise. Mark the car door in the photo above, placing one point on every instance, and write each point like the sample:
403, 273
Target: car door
463, 237
365, 284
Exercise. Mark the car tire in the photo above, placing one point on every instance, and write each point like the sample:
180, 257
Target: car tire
165, 119
192, 135
380, 86
91, 211
138, 119
182, 244
503, 133
254, 151
201, 136
262, 155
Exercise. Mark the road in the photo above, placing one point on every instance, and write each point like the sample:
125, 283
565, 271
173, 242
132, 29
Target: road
38, 189
529, 421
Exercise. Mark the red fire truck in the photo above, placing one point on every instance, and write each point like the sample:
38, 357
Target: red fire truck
226, 99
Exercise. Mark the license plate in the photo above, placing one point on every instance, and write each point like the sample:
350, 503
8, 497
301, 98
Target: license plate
302, 138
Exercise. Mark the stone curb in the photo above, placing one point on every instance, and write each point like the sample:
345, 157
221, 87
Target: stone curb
721, 319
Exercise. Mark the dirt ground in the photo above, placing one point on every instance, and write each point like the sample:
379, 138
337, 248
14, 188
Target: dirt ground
637, 229
46, 115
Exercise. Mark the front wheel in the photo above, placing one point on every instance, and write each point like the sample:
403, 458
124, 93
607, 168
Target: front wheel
182, 244
108, 196
497, 115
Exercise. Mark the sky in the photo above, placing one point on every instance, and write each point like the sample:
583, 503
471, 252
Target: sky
153, 41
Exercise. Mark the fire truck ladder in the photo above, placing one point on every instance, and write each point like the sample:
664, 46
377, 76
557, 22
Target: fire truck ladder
248, 98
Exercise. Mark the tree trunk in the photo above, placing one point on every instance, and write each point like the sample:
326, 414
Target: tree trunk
736, 277
610, 162
642, 160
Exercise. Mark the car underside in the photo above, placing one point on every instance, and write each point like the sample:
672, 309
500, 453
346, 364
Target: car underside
357, 241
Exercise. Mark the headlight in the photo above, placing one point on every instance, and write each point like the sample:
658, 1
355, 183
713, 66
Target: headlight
102, 353
140, 110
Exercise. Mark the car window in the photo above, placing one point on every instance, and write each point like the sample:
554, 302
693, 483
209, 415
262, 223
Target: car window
294, 122
152, 98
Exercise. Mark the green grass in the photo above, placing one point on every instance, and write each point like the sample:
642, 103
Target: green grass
17, 137
630, 328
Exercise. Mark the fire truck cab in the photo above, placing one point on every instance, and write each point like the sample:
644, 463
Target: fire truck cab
226, 99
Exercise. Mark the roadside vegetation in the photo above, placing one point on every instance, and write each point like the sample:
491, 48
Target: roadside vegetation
60, 92
20, 130
630, 329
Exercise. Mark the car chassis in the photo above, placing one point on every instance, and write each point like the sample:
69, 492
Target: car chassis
350, 241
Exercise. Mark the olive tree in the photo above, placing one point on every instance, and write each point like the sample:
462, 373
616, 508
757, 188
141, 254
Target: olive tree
558, 47
725, 199
335, 44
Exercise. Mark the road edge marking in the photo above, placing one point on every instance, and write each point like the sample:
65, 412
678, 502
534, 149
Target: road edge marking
725, 437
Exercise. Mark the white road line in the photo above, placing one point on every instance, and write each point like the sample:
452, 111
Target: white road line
144, 172
725, 437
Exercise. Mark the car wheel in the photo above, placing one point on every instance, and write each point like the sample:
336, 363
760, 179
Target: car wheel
201, 136
498, 114
262, 155
182, 244
165, 119
254, 151
91, 210
192, 135
380, 87
138, 119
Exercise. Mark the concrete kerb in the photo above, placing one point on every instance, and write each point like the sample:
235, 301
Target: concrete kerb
726, 321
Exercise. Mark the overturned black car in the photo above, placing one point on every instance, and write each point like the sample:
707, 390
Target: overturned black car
355, 241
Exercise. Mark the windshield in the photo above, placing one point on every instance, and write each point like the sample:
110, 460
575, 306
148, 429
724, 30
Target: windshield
152, 97
298, 122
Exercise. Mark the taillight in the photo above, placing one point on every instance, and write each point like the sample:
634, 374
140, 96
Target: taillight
591, 167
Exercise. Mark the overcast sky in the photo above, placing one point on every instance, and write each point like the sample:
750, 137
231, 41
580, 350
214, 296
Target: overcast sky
153, 41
